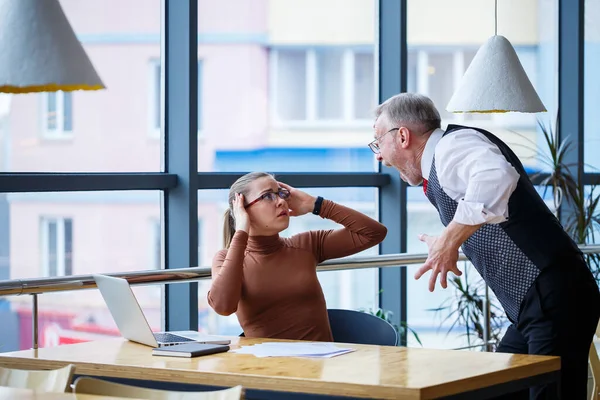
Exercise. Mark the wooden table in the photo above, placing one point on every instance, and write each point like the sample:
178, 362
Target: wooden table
370, 372
26, 394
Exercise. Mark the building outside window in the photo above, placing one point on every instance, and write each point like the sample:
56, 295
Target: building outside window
322, 86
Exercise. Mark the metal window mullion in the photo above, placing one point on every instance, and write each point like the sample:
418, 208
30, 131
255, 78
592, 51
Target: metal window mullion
180, 65
392, 37
571, 38
19, 182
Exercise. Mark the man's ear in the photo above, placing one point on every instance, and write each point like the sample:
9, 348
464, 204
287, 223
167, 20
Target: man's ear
404, 137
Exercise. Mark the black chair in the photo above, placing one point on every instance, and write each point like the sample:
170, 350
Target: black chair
348, 326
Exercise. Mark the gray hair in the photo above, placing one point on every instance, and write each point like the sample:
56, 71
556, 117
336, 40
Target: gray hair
415, 111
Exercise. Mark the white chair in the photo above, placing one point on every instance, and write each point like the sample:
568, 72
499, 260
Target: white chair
87, 385
56, 380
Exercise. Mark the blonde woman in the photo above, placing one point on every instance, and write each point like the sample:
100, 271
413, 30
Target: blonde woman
271, 282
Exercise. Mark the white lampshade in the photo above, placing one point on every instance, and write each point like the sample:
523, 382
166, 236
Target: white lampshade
495, 82
39, 51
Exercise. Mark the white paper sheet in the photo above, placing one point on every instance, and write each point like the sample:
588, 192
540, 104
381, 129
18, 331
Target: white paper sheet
295, 349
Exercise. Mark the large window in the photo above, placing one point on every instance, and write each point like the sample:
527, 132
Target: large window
272, 96
93, 131
281, 98
77, 233
57, 233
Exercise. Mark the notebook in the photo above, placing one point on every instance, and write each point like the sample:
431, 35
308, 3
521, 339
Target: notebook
190, 350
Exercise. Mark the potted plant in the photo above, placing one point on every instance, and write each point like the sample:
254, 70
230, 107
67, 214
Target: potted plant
582, 219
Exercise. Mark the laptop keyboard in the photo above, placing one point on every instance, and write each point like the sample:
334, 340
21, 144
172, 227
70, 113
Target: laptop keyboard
165, 337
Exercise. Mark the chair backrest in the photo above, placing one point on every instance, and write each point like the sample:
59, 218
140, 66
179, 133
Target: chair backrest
87, 385
55, 380
349, 326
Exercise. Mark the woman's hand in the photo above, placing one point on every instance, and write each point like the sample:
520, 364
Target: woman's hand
239, 213
299, 202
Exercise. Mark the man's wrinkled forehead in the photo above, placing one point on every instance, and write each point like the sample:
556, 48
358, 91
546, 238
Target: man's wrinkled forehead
380, 124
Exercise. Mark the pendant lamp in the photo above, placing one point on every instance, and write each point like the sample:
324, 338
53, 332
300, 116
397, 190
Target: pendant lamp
39, 51
495, 81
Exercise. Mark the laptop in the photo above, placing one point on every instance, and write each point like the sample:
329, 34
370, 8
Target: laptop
132, 323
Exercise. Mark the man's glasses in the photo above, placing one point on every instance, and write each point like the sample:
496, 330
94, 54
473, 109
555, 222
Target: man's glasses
271, 196
374, 145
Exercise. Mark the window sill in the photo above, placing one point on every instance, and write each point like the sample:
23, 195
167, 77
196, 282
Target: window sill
57, 137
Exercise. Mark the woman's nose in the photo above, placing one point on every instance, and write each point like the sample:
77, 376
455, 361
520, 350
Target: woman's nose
280, 201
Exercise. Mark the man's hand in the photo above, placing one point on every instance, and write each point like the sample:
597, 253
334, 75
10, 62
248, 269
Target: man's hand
441, 260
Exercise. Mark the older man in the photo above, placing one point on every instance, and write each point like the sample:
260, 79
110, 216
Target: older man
489, 206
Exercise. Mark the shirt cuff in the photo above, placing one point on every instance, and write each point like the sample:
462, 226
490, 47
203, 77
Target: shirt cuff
471, 213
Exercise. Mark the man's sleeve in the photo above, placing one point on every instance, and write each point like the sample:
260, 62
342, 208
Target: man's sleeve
473, 171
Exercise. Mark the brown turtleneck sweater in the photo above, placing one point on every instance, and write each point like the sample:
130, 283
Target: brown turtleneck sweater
271, 282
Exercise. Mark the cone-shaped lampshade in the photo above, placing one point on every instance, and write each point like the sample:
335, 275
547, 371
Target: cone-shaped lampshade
495, 82
39, 51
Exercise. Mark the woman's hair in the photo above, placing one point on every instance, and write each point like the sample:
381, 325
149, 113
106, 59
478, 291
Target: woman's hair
239, 186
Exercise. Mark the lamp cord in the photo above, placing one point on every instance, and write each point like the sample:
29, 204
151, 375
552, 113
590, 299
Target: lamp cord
496, 18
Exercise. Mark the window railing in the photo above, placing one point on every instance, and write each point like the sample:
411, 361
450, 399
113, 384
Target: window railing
37, 286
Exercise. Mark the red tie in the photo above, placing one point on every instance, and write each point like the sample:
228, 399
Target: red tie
425, 186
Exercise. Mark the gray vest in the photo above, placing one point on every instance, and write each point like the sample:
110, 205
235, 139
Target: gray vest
510, 255
505, 268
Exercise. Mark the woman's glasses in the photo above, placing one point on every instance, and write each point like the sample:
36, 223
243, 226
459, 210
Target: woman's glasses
271, 196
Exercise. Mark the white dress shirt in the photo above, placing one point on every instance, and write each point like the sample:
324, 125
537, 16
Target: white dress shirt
472, 171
